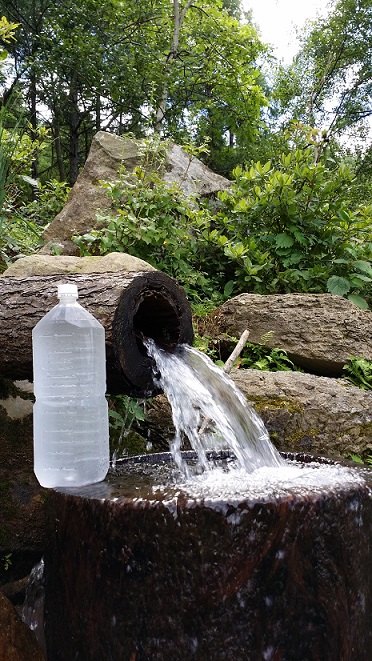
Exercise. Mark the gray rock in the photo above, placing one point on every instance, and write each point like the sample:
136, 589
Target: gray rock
318, 331
309, 413
52, 264
108, 152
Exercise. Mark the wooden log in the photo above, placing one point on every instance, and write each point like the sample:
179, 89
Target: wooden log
129, 305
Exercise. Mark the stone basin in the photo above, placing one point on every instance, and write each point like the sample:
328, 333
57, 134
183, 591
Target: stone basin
136, 574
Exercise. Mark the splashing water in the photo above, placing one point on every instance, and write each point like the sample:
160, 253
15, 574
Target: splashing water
210, 411
33, 607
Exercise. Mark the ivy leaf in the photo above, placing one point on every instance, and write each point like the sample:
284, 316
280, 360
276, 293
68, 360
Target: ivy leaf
338, 286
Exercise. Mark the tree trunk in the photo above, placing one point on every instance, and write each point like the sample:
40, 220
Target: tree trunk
56, 129
129, 305
33, 121
74, 129
178, 19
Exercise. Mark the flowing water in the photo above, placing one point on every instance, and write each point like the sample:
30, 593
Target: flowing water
209, 410
213, 414
33, 607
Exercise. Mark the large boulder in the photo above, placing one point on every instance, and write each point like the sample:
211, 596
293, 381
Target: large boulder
40, 264
318, 331
309, 413
107, 154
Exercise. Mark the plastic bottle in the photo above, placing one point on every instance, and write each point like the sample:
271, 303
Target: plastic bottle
71, 437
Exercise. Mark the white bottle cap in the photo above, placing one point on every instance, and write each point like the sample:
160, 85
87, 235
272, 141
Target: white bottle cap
68, 290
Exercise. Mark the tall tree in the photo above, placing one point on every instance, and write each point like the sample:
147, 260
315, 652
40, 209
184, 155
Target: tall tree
187, 70
210, 86
329, 84
72, 59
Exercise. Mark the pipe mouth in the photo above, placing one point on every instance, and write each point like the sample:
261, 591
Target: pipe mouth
152, 306
156, 318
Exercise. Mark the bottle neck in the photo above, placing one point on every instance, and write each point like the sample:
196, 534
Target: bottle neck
67, 300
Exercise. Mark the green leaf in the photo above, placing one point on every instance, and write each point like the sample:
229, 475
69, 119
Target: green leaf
283, 241
300, 237
338, 286
359, 301
261, 364
357, 459
229, 286
359, 372
363, 266
360, 278
343, 215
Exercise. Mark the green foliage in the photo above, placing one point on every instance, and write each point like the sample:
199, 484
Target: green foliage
6, 35
209, 345
18, 233
21, 225
359, 460
124, 413
50, 198
6, 560
359, 372
186, 69
18, 237
329, 82
256, 356
292, 226
153, 220
260, 357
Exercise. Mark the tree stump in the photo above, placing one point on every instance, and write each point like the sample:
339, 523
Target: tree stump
138, 574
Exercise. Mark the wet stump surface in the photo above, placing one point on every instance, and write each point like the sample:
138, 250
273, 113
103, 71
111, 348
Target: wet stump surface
134, 580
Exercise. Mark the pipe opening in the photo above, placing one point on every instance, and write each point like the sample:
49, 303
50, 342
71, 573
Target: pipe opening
156, 318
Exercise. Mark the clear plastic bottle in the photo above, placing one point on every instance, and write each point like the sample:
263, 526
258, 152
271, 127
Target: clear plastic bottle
71, 432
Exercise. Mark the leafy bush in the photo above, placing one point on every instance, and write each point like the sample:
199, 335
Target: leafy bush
292, 227
288, 227
18, 233
50, 198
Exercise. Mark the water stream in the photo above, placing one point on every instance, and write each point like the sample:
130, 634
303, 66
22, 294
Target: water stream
209, 410
33, 607
214, 415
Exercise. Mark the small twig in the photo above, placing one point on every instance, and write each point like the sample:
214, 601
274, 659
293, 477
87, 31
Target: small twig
228, 367
236, 352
